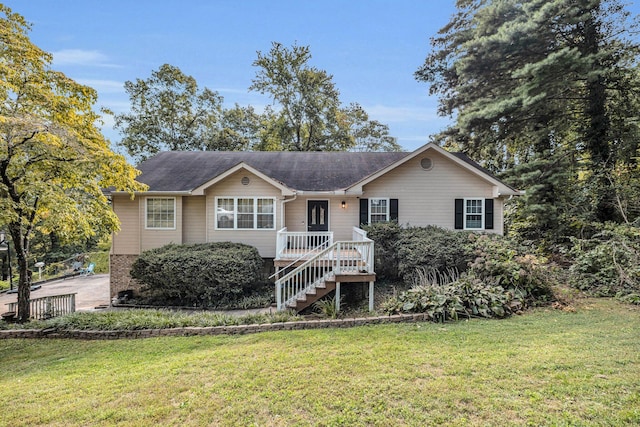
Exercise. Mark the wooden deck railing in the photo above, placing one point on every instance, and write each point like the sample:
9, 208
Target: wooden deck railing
295, 244
339, 258
48, 307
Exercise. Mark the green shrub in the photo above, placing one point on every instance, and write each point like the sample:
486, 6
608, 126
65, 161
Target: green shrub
202, 275
608, 264
327, 307
510, 266
386, 236
399, 251
446, 297
433, 248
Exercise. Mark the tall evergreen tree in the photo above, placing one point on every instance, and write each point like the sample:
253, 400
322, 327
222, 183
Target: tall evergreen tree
538, 82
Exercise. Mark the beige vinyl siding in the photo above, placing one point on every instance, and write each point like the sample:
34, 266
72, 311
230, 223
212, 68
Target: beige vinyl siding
263, 240
194, 220
154, 238
127, 240
427, 197
341, 221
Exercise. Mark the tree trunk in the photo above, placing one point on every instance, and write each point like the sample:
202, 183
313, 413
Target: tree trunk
21, 246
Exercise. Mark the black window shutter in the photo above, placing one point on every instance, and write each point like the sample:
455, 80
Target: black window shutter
459, 214
393, 210
488, 214
364, 211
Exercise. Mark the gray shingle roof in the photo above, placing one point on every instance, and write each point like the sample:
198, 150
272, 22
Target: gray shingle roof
306, 171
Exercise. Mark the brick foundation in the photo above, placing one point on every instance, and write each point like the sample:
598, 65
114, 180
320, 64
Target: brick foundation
120, 280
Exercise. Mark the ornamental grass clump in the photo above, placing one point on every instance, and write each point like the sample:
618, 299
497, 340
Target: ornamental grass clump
137, 319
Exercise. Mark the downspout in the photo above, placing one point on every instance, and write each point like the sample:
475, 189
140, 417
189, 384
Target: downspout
282, 216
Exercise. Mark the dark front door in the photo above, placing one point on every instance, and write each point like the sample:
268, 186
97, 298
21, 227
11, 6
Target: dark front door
317, 220
318, 215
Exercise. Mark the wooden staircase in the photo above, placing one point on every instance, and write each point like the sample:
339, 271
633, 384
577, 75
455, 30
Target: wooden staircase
323, 272
312, 295
327, 286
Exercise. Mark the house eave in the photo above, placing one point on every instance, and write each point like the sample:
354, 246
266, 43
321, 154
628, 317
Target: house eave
153, 193
200, 190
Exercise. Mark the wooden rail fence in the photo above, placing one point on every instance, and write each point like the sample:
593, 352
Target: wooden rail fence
48, 307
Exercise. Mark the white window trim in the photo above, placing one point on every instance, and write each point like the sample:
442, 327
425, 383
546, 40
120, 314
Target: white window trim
388, 214
146, 216
464, 213
235, 213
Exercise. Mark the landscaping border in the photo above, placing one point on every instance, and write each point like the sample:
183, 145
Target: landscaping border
212, 330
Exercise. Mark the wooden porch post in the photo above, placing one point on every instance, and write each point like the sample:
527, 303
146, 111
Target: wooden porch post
370, 296
337, 297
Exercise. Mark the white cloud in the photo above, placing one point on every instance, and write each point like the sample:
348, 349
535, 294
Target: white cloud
103, 86
92, 58
231, 90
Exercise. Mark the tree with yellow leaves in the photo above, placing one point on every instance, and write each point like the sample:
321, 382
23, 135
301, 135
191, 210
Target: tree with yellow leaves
54, 162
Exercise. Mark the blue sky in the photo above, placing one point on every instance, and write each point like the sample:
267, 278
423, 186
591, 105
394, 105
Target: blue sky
371, 47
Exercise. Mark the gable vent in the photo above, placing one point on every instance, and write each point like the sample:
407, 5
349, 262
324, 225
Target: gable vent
245, 180
426, 163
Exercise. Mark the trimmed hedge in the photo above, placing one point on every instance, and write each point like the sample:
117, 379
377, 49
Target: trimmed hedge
434, 248
386, 236
400, 252
199, 275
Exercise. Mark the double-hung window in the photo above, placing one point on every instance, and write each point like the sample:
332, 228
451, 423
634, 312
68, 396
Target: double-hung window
245, 213
378, 210
473, 214
161, 213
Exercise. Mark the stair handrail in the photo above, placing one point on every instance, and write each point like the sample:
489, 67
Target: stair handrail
301, 257
280, 281
336, 264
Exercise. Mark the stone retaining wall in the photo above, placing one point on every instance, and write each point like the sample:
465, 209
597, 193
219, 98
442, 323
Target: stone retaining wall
213, 330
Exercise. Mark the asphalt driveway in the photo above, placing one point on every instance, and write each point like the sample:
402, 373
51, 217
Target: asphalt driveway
91, 292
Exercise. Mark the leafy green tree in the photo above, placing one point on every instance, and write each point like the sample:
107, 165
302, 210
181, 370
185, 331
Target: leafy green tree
169, 112
540, 81
368, 135
54, 162
309, 115
239, 130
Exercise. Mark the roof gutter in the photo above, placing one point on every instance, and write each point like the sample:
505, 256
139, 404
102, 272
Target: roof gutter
322, 193
154, 193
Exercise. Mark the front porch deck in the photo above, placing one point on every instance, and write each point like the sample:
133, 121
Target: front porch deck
296, 257
310, 265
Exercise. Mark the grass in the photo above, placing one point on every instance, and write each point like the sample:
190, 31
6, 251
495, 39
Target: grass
548, 367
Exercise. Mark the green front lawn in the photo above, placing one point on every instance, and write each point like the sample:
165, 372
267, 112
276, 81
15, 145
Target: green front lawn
548, 367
